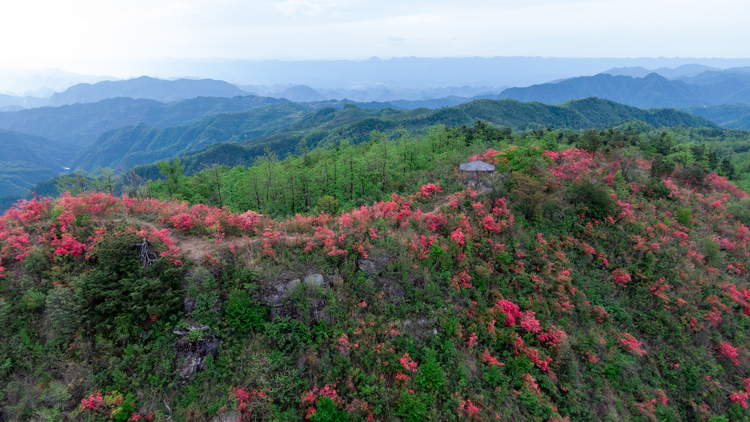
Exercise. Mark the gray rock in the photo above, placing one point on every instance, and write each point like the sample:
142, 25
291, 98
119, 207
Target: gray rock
227, 417
188, 305
315, 280
374, 264
192, 355
187, 330
281, 288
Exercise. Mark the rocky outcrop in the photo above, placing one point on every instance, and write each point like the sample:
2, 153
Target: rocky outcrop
274, 298
374, 264
191, 354
227, 417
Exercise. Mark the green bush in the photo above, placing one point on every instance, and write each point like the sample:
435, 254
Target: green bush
657, 189
430, 375
64, 311
326, 412
593, 200
122, 294
242, 314
412, 407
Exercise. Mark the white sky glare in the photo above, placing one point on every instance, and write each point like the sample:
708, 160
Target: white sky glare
51, 32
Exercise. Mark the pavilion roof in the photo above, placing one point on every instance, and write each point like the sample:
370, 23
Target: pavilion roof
476, 165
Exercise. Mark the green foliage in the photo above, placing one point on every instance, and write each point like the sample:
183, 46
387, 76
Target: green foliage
64, 311
430, 376
328, 204
242, 313
326, 412
412, 407
121, 294
593, 200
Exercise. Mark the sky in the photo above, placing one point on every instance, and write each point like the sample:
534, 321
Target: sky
76, 34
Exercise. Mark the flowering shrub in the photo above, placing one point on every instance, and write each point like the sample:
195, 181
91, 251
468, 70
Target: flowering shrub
728, 351
311, 398
408, 363
488, 359
631, 345
428, 190
252, 403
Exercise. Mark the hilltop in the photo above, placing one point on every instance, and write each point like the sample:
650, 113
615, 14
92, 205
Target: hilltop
606, 282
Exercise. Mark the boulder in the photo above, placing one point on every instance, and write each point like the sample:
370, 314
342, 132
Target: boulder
227, 417
315, 280
192, 354
374, 264
188, 305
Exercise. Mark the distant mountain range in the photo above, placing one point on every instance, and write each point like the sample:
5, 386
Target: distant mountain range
81, 124
686, 70
146, 88
732, 116
652, 90
41, 82
328, 125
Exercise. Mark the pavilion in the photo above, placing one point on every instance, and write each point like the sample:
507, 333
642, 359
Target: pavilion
477, 166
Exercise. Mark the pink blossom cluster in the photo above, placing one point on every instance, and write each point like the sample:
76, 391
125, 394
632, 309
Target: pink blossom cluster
408, 363
631, 345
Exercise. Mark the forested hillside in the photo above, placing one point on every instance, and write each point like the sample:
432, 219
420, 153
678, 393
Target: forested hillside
27, 160
733, 116
598, 276
81, 124
273, 128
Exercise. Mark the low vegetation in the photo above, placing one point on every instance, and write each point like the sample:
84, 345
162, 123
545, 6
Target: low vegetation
599, 276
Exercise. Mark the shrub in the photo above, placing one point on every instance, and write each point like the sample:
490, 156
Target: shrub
120, 292
63, 310
328, 204
430, 375
242, 314
593, 200
326, 412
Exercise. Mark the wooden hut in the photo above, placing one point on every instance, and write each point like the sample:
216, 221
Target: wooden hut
477, 166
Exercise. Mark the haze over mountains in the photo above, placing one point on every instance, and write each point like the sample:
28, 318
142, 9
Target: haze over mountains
410, 78
653, 90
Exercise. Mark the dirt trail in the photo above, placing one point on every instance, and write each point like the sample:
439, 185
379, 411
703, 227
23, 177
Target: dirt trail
194, 247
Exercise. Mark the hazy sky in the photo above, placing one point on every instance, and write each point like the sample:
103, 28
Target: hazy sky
54, 32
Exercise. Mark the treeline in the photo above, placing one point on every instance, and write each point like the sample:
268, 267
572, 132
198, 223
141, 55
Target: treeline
348, 175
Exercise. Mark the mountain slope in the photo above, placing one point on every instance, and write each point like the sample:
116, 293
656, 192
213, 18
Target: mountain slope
330, 126
146, 88
572, 294
81, 124
733, 116
650, 91
26, 160
123, 148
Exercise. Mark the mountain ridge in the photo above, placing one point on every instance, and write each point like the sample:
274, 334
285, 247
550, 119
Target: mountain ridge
146, 87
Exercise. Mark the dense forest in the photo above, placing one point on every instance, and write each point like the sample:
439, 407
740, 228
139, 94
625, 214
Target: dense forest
595, 275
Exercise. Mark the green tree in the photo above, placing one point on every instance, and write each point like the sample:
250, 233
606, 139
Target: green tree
76, 183
64, 311
173, 173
